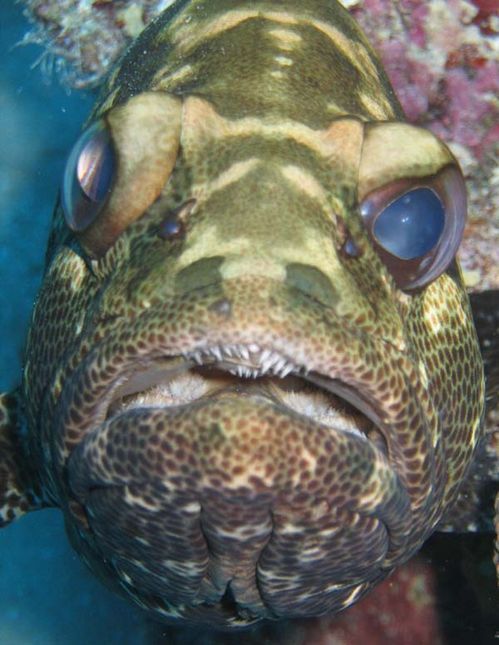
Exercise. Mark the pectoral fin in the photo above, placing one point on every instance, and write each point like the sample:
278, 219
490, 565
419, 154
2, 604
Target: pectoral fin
16, 493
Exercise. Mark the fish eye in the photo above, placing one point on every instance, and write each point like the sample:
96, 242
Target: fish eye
88, 176
410, 226
416, 225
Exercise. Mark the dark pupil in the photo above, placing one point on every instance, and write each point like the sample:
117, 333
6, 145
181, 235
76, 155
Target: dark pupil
411, 225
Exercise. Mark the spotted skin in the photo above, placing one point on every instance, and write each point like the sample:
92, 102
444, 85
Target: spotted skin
16, 497
246, 134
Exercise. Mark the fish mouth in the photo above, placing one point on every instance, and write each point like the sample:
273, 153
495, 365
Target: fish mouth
232, 371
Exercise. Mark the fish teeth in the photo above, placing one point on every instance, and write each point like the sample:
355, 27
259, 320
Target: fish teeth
261, 360
277, 367
270, 362
286, 370
244, 352
217, 353
243, 372
264, 357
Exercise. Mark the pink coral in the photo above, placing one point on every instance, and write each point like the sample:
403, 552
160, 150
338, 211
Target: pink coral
437, 60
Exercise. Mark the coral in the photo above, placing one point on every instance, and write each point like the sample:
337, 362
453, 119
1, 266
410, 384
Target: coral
82, 38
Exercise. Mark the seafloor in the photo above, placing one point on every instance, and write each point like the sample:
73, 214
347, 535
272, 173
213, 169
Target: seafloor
46, 595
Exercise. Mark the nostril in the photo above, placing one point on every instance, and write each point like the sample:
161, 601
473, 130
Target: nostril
349, 249
171, 228
173, 225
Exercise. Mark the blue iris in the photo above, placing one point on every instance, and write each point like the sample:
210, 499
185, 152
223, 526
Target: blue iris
411, 225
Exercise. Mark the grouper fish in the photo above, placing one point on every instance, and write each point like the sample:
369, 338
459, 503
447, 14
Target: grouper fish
252, 382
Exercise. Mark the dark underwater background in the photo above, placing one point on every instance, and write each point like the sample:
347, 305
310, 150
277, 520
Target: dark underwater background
47, 597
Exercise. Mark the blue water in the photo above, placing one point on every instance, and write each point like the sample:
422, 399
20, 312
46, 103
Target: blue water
46, 595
